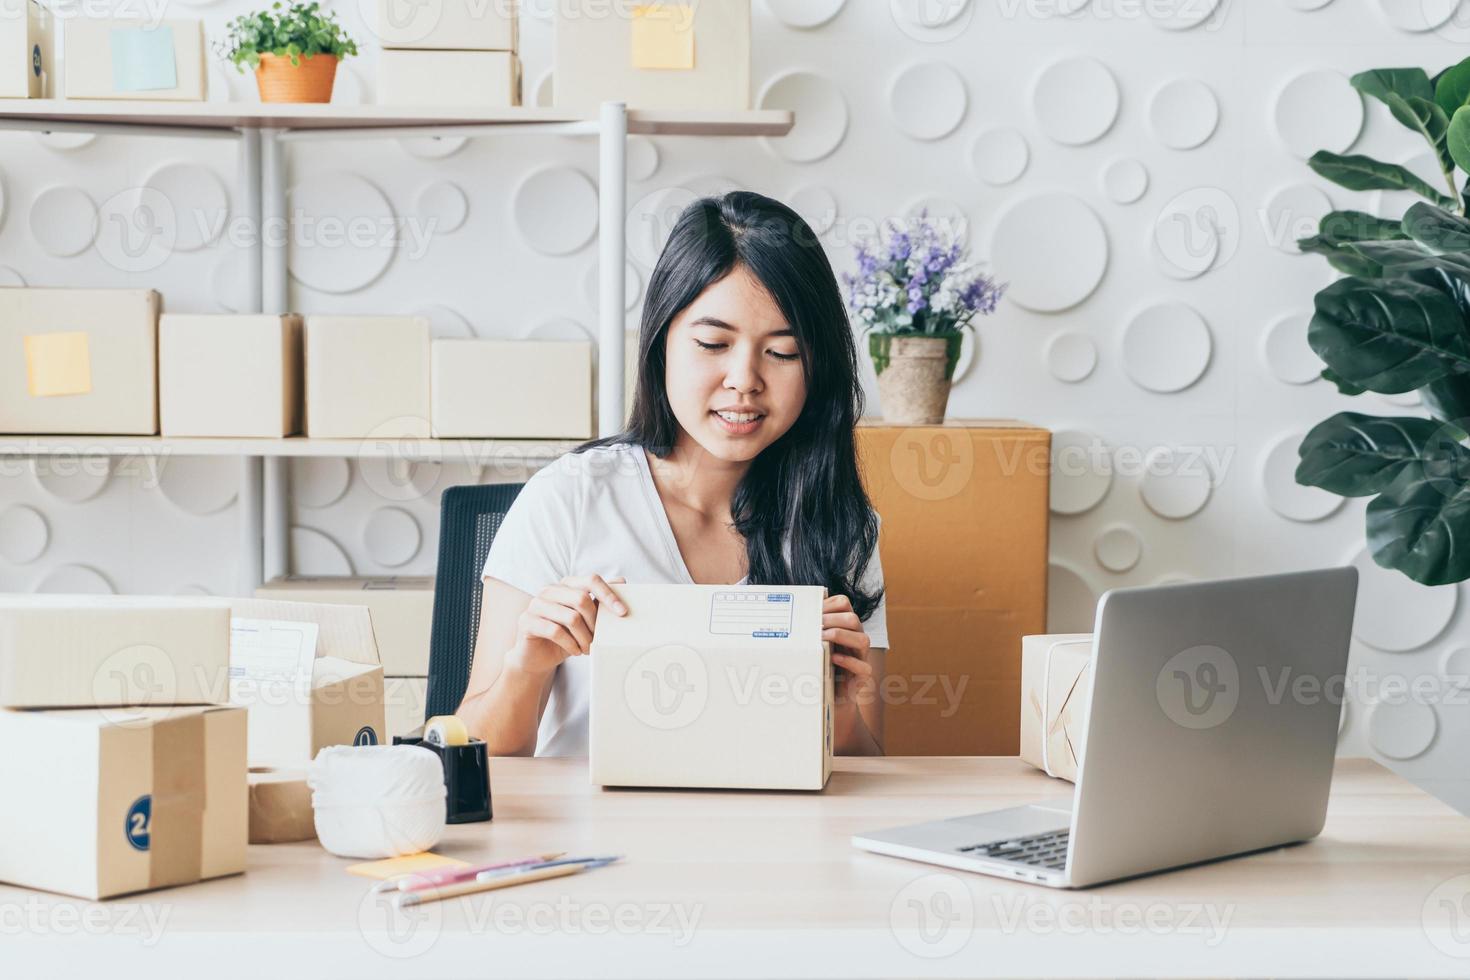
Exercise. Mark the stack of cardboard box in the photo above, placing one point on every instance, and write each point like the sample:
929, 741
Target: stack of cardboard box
27, 40
449, 53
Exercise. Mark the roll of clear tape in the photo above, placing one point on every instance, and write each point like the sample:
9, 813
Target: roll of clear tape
446, 730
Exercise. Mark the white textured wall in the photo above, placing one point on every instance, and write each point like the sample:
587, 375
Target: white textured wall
1038, 130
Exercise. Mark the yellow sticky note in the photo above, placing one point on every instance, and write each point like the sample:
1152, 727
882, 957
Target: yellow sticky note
58, 364
663, 36
405, 865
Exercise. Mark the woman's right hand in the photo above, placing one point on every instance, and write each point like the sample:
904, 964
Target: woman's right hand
559, 622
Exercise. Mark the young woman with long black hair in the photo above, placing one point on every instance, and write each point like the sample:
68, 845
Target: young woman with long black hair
737, 466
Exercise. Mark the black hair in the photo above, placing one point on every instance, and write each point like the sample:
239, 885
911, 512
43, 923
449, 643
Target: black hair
806, 483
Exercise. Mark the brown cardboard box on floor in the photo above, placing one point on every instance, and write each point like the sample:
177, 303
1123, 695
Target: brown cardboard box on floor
964, 550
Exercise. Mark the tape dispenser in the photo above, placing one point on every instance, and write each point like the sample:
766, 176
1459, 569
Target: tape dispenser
466, 766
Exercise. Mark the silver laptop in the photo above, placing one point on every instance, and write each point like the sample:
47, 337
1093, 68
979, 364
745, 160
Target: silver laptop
1211, 732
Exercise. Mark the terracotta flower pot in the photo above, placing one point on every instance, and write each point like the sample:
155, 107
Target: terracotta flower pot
310, 81
915, 372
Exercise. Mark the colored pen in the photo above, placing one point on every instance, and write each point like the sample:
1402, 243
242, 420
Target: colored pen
593, 861
448, 876
502, 881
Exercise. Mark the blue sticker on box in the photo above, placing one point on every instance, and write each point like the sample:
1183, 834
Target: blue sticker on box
760, 615
140, 816
366, 736
36, 60
143, 59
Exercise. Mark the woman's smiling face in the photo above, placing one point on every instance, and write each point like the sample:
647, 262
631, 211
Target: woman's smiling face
733, 370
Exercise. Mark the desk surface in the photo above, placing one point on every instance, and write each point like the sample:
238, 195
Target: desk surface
740, 884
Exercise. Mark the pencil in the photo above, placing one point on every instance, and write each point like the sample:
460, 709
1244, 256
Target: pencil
501, 881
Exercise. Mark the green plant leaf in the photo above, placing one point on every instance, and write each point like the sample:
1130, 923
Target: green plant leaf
1388, 335
1420, 525
1458, 138
1449, 398
1437, 228
1382, 82
1344, 386
1452, 88
1362, 173
1404, 257
1355, 455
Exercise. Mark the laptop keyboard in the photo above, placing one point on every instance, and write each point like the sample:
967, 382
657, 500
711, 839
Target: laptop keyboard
1043, 850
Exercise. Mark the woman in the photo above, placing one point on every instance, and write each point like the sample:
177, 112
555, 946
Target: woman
737, 466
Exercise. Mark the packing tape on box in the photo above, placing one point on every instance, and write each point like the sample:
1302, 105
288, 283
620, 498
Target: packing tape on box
446, 730
280, 807
175, 821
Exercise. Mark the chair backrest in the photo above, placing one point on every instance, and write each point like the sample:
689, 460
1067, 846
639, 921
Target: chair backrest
468, 520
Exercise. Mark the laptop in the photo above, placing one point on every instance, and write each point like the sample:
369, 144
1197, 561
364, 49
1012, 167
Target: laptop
1211, 732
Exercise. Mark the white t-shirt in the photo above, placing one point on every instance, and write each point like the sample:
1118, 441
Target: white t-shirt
598, 513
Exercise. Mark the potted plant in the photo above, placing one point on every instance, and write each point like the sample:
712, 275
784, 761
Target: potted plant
915, 293
293, 50
1399, 321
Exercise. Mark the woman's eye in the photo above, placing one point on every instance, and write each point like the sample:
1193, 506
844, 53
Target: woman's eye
704, 346
783, 357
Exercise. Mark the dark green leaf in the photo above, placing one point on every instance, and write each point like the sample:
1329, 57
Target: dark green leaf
1388, 335
1361, 173
1421, 524
1437, 228
1458, 138
1449, 398
1411, 256
1356, 455
1452, 87
1342, 385
1405, 82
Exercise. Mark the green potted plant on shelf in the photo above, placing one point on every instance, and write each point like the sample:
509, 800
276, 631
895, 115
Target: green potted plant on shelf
293, 51
915, 293
1399, 321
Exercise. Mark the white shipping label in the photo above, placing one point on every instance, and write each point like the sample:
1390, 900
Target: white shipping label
754, 614
269, 652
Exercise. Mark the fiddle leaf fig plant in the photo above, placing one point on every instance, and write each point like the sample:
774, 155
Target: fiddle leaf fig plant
1399, 321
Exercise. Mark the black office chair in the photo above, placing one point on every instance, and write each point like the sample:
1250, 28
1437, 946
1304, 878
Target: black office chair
468, 520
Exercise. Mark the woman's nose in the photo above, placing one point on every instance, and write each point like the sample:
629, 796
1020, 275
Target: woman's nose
744, 374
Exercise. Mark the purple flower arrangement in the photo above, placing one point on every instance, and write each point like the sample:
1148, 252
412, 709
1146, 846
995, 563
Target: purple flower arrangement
917, 278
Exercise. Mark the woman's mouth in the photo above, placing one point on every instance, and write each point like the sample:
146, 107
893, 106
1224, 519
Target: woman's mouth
738, 423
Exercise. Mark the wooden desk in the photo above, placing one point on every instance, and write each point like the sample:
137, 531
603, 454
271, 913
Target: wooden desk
742, 884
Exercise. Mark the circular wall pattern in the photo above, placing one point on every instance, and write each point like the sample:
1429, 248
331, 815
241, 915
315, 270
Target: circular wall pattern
400, 480
1125, 181
652, 218
1184, 113
642, 158
200, 203
65, 142
928, 100
1166, 348
555, 210
632, 286
1075, 100
345, 232
192, 589
1455, 665
446, 323
1071, 602
1118, 548
314, 553
1286, 496
1417, 16
9, 277
75, 580
805, 14
442, 204
816, 205
432, 147
63, 221
1396, 613
1318, 110
544, 92
821, 115
1175, 484
1180, 15
1401, 729
23, 534
564, 328
319, 481
1295, 212
1081, 471
72, 479
1070, 356
198, 484
1000, 156
1181, 248
227, 280
391, 536
1053, 251
1286, 353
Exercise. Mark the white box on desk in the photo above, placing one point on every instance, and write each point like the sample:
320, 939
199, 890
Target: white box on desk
76, 651
79, 361
125, 59
469, 79
512, 389
460, 25
109, 801
229, 376
27, 46
712, 686
402, 608
367, 377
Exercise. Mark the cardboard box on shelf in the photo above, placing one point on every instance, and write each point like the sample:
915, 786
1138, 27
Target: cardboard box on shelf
229, 376
1056, 681
111, 801
460, 25
474, 79
402, 608
367, 377
27, 42
78, 361
509, 389
280, 807
406, 698
134, 59
76, 651
964, 550
689, 665
666, 56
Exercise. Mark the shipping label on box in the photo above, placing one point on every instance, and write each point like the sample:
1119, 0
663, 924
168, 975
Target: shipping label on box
402, 608
229, 376
512, 389
712, 686
135, 59
461, 25
1056, 684
367, 377
27, 43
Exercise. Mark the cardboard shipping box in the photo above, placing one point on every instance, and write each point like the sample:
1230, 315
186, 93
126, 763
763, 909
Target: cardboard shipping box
461, 25
367, 377
230, 376
104, 802
27, 40
78, 361
280, 807
714, 686
405, 699
77, 651
402, 608
964, 548
473, 79
512, 389
135, 59
653, 56
1056, 685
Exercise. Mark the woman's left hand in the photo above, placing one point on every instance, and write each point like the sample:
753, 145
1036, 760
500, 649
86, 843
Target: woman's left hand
850, 646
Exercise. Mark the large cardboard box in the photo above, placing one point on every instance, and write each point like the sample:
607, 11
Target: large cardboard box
964, 545
653, 56
64, 651
27, 40
714, 686
233, 376
135, 59
402, 608
406, 698
509, 389
367, 377
460, 25
1056, 687
474, 79
310, 677
78, 361
103, 802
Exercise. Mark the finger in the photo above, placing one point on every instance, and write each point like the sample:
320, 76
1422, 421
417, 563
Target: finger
545, 629
852, 639
599, 588
841, 620
576, 599
836, 603
853, 665
570, 619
